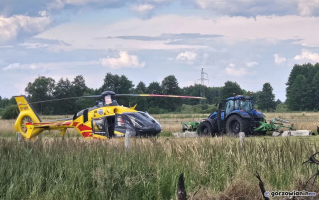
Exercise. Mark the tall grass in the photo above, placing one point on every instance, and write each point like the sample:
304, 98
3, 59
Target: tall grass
214, 168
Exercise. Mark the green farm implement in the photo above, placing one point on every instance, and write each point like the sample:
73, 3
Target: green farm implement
273, 125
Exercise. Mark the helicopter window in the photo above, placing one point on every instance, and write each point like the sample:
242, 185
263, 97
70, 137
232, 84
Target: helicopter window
108, 99
138, 120
122, 121
98, 125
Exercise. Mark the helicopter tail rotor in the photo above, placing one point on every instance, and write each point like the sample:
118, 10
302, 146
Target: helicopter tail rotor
26, 118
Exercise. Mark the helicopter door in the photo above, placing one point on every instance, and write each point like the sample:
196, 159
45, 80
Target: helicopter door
100, 126
123, 126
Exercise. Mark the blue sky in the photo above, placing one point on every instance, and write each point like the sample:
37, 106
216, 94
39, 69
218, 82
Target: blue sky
247, 41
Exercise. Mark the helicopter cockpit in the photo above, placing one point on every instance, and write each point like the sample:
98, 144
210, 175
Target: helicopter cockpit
107, 101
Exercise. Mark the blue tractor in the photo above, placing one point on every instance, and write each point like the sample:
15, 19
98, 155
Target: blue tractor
236, 115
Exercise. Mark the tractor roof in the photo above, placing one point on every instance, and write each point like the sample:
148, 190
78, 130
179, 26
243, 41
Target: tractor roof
239, 97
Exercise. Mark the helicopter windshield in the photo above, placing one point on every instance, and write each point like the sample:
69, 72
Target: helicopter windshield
138, 120
108, 99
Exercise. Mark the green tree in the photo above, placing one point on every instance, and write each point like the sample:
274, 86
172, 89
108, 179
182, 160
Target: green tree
140, 101
119, 85
141, 87
278, 102
41, 89
315, 91
309, 71
63, 89
170, 87
267, 98
10, 112
154, 88
79, 86
4, 102
297, 92
111, 83
229, 89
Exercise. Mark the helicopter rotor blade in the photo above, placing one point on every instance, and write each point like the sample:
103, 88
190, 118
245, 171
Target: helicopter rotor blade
91, 96
157, 95
55, 100
123, 95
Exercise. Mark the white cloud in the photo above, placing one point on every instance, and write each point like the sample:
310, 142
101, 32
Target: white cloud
43, 13
307, 7
187, 57
260, 7
232, 70
19, 27
124, 61
305, 54
252, 64
60, 4
23, 67
45, 66
34, 45
278, 59
142, 8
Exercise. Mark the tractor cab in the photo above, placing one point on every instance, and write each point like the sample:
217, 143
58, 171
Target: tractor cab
236, 115
239, 103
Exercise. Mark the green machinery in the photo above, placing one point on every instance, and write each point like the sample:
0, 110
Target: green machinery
273, 125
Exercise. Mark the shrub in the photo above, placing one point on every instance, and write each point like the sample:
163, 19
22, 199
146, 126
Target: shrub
10, 112
156, 110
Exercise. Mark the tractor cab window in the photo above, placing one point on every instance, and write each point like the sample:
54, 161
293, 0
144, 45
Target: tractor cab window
236, 104
246, 105
231, 105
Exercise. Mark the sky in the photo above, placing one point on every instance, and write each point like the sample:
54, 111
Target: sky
250, 42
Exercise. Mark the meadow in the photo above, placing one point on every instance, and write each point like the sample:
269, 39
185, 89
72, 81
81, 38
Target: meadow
214, 168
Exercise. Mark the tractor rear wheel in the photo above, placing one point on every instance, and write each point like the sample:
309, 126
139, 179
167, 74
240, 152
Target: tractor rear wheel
236, 124
205, 129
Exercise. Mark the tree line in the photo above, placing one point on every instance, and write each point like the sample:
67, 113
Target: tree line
303, 88
46, 88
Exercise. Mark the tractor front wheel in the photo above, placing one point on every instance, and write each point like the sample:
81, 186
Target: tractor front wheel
205, 129
236, 124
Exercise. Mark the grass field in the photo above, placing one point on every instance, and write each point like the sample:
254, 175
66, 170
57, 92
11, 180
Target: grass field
214, 168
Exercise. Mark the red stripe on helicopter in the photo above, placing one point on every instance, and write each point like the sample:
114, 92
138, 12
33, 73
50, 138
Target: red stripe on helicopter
87, 134
75, 123
28, 123
84, 128
67, 123
158, 95
41, 123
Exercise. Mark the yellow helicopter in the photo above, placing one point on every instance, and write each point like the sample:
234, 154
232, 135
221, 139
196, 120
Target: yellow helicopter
105, 120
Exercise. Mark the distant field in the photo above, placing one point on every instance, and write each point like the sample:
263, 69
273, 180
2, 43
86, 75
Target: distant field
172, 122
